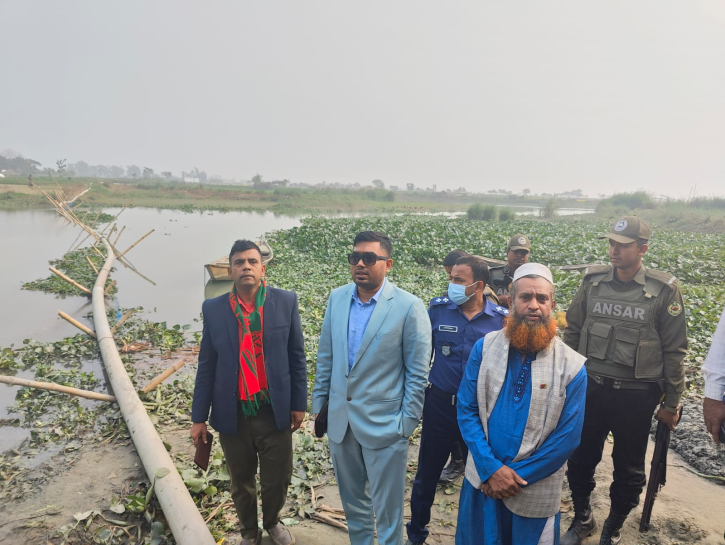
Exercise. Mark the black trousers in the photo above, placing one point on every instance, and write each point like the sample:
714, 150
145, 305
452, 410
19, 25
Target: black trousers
628, 415
258, 440
440, 432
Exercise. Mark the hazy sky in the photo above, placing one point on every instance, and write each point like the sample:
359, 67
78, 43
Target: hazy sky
606, 96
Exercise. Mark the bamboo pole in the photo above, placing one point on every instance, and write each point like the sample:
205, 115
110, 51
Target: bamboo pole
91, 264
108, 288
134, 244
110, 224
82, 241
76, 323
132, 268
97, 216
56, 205
76, 240
56, 388
121, 212
74, 216
120, 322
119, 235
328, 520
163, 376
98, 251
115, 250
69, 280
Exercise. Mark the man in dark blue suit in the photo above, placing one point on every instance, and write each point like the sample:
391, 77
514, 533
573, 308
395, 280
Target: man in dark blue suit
253, 375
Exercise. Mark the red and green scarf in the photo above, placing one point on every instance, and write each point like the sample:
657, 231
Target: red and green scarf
253, 390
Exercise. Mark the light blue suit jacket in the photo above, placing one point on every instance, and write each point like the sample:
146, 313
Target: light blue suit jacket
381, 397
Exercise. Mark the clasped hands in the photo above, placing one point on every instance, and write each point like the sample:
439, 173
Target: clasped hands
505, 483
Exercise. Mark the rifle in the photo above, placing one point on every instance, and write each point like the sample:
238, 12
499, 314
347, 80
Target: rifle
658, 472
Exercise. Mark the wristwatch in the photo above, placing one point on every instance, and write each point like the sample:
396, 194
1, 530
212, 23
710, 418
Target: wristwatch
673, 410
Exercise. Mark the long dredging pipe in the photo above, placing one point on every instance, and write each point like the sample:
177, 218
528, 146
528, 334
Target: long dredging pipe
183, 516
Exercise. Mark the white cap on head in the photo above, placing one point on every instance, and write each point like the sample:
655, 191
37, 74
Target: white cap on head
534, 269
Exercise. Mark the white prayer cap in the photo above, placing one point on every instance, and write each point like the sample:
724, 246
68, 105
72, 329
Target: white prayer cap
534, 269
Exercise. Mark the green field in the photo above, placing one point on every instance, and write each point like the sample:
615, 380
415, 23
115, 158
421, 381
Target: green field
15, 193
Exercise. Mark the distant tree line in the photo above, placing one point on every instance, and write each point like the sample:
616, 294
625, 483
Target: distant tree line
14, 162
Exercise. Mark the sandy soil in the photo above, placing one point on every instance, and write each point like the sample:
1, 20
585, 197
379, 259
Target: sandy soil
689, 509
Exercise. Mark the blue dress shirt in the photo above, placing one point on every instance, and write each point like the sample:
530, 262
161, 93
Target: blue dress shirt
358, 320
454, 335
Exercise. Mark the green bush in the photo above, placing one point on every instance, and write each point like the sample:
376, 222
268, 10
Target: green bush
506, 214
376, 194
481, 212
548, 211
637, 199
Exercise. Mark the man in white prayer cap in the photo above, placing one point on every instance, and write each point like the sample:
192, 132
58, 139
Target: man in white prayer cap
520, 411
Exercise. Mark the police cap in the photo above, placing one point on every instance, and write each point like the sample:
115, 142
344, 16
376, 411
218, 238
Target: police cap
628, 229
520, 242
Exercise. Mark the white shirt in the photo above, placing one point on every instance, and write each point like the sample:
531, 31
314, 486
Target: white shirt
714, 368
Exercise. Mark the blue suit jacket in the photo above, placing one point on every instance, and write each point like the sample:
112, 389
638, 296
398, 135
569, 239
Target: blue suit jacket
381, 397
218, 373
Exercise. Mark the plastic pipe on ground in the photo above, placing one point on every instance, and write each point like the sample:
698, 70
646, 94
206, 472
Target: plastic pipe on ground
181, 513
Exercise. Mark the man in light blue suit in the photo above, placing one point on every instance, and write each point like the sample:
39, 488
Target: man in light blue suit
372, 368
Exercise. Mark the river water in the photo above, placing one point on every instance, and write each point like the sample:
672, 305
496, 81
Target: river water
172, 257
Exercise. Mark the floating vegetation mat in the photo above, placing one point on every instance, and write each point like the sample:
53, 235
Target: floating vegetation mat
74, 265
312, 260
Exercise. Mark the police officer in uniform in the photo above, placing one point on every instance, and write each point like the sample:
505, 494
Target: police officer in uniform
457, 464
458, 320
629, 322
502, 276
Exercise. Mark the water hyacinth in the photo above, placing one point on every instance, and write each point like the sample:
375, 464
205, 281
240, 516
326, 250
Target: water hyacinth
311, 260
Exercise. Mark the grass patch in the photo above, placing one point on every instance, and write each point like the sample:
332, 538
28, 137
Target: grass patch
707, 203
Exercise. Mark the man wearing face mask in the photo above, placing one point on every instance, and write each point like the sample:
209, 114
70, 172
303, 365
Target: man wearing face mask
458, 320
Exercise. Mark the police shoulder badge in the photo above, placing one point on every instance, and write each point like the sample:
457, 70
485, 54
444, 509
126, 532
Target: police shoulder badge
675, 308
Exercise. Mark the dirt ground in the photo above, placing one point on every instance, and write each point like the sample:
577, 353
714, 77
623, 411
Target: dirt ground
689, 509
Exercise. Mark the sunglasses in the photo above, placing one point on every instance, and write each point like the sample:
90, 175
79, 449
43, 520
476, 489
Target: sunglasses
368, 258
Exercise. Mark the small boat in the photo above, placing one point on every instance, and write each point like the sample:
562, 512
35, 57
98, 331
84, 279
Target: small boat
500, 263
218, 269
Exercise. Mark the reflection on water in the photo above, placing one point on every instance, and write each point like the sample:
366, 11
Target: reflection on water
524, 210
